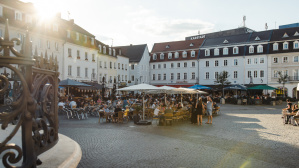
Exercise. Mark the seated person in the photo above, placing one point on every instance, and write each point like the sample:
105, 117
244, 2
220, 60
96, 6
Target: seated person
73, 104
107, 112
156, 111
215, 105
61, 104
126, 112
115, 114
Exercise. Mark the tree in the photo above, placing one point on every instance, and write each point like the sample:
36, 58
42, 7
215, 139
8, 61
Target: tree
222, 80
283, 78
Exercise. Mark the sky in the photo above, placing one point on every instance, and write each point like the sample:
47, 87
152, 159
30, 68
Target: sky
125, 22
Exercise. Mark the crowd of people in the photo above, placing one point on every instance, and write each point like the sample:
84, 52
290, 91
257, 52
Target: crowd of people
292, 114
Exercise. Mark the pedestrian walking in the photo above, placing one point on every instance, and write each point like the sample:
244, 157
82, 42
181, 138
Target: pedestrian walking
199, 111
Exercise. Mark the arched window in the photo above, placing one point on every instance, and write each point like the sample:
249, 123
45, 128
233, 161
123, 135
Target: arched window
296, 45
260, 49
207, 52
184, 54
235, 50
192, 53
225, 51
104, 49
286, 45
275, 46
251, 49
216, 51
176, 55
161, 56
154, 56
169, 55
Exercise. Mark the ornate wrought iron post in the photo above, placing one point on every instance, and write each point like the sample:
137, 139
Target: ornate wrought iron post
34, 102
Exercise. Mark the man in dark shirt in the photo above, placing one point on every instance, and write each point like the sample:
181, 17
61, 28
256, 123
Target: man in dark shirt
289, 108
115, 115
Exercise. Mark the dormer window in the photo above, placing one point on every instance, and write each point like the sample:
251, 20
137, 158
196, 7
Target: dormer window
216, 51
296, 34
119, 52
296, 45
113, 52
225, 51
154, 56
18, 15
192, 53
207, 52
285, 35
275, 47
110, 51
257, 38
184, 54
176, 55
92, 41
77, 36
169, 55
161, 56
68, 34
260, 49
251, 49
104, 49
285, 45
85, 39
236, 50
191, 45
167, 46
100, 48
225, 42
1, 11
55, 27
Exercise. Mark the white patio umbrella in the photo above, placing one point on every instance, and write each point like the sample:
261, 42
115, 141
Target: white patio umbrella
141, 88
163, 89
187, 91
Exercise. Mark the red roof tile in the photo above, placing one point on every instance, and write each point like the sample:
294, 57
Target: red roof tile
177, 45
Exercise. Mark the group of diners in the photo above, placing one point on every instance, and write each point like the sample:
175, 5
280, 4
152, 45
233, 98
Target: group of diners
290, 114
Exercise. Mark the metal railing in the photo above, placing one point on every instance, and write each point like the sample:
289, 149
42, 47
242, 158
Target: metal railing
28, 98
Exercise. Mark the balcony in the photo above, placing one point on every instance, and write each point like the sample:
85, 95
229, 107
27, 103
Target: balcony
293, 78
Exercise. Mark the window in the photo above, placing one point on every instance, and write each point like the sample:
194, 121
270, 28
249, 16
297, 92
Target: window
154, 77
159, 66
78, 71
132, 67
192, 53
225, 51
251, 49
110, 65
178, 75
86, 56
119, 66
164, 65
77, 36
275, 60
193, 75
100, 48
216, 75
193, 64
176, 55
249, 61
109, 51
260, 49
92, 41
69, 52
248, 74
68, 34
262, 73
255, 60
255, 74
262, 60
216, 51
159, 76
114, 65
184, 54
275, 74
171, 76
178, 65
296, 59
85, 39
275, 46
114, 53
185, 76
126, 67
162, 56
78, 54
154, 66
225, 63
285, 45
104, 49
132, 78
169, 55
171, 65
56, 46
122, 66
93, 59
296, 45
105, 64
285, 60
207, 63
18, 15
154, 56
235, 62
207, 52
207, 75
185, 64
216, 63
69, 70
164, 76
93, 73
235, 74
296, 74
235, 50
100, 64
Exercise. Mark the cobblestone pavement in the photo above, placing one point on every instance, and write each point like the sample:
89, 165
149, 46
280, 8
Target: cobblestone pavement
241, 136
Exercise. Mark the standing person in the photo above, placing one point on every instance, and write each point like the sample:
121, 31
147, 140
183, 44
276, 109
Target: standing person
209, 110
193, 111
289, 110
199, 110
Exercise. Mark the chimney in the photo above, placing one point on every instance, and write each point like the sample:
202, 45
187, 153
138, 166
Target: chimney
72, 21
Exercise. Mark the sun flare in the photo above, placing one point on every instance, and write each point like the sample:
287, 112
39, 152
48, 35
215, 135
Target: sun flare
47, 9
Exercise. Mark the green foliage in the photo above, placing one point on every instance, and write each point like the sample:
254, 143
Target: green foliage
221, 79
283, 78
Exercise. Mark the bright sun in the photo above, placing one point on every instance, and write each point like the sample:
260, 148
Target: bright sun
47, 8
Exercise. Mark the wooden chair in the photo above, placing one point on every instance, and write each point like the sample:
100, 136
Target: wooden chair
120, 118
168, 118
216, 110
